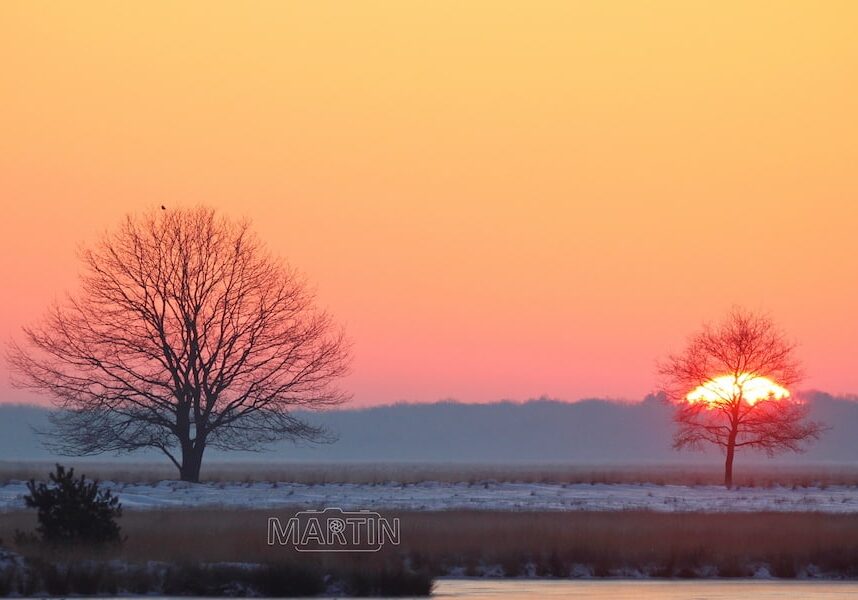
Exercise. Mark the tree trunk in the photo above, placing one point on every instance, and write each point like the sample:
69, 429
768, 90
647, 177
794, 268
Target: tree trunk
731, 446
192, 460
728, 465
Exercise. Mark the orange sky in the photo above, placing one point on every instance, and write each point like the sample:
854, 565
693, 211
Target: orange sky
498, 200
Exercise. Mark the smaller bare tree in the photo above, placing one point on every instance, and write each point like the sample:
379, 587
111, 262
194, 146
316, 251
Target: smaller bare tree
729, 388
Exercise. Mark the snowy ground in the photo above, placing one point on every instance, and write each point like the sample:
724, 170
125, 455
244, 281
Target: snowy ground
485, 496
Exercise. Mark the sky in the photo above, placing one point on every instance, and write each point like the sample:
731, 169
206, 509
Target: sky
497, 200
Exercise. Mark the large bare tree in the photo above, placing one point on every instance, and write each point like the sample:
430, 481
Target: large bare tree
186, 334
730, 387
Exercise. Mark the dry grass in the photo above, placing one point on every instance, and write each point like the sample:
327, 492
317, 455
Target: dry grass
657, 543
747, 475
551, 543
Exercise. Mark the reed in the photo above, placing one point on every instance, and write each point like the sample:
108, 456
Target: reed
516, 543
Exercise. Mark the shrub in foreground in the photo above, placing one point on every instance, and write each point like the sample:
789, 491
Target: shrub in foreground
74, 511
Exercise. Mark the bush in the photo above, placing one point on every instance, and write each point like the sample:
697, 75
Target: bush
388, 583
283, 581
7, 580
74, 511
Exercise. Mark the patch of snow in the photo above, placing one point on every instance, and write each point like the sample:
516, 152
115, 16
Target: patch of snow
490, 571
580, 571
762, 572
10, 559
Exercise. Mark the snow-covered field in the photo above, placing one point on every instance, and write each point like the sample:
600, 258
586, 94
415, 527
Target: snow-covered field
479, 496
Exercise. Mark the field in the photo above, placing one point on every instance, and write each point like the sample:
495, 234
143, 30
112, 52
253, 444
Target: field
757, 474
435, 487
523, 520
487, 495
514, 544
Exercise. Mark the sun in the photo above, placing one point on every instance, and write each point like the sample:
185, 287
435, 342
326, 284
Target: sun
751, 388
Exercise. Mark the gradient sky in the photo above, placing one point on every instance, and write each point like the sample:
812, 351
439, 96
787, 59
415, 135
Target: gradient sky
498, 200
